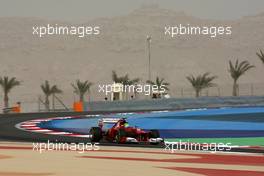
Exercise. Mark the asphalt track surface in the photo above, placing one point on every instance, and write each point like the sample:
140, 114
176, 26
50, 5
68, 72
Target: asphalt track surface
8, 131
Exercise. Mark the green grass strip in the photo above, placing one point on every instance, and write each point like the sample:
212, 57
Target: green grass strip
251, 141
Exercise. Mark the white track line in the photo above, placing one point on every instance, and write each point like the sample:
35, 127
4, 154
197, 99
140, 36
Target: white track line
32, 126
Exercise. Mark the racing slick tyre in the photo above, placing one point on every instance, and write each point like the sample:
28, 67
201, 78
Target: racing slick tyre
121, 136
96, 134
154, 134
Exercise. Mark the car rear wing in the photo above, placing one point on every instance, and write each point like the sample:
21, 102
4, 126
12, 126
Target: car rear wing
109, 120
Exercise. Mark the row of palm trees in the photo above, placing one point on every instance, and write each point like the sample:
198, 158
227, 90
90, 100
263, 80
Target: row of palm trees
80, 88
125, 80
236, 70
198, 83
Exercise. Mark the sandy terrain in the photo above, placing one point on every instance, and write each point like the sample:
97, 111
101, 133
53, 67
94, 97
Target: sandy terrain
18, 159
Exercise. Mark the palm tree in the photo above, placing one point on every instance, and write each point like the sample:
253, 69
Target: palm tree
201, 82
8, 84
159, 83
49, 90
236, 71
126, 81
116, 78
261, 56
81, 88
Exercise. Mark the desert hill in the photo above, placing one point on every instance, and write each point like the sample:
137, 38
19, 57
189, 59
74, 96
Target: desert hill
121, 46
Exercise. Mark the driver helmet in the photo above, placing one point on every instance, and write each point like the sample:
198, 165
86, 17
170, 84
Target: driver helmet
124, 122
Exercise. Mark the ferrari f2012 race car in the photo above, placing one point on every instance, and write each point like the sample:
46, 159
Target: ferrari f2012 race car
121, 132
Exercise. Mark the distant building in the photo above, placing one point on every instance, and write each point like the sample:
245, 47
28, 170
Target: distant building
117, 92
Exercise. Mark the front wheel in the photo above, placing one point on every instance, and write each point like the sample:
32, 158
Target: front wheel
154, 134
121, 136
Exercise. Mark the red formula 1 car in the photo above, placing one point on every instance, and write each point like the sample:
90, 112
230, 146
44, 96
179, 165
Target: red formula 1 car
120, 132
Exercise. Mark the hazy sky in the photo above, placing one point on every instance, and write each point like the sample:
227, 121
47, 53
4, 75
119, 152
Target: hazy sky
81, 10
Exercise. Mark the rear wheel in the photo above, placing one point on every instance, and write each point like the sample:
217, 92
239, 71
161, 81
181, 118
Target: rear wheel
154, 134
96, 133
